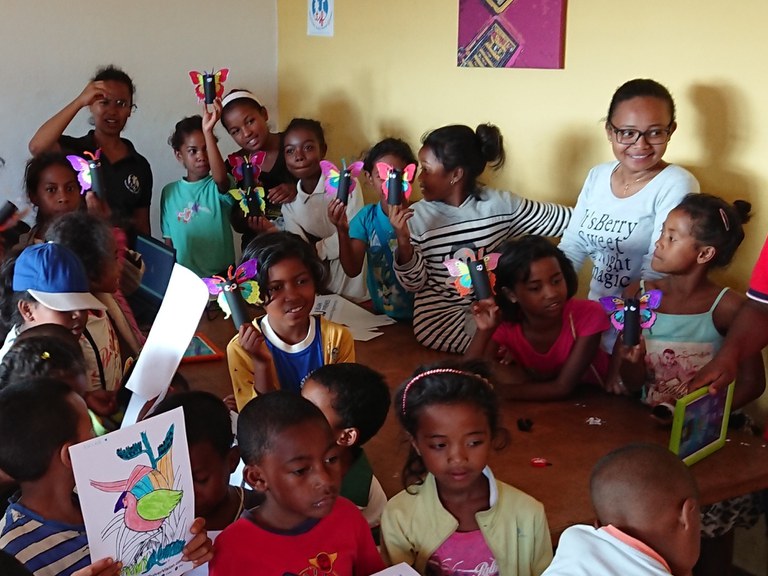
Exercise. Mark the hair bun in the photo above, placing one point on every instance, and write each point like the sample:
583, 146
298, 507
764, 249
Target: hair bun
742, 209
491, 144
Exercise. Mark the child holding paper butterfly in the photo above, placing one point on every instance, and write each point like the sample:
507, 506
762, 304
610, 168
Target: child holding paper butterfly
692, 319
458, 212
319, 182
52, 187
694, 313
195, 211
370, 234
245, 119
279, 349
551, 341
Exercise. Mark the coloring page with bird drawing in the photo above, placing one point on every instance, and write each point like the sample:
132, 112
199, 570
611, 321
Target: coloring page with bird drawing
135, 490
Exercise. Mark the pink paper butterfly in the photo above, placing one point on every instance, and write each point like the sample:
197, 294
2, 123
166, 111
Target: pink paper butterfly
333, 175
408, 173
238, 162
83, 168
198, 79
459, 269
241, 279
648, 303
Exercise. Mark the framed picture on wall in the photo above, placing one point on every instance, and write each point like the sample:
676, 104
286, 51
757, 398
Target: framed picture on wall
511, 33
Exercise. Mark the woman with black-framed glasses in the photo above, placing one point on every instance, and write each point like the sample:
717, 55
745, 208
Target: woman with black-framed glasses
126, 174
623, 204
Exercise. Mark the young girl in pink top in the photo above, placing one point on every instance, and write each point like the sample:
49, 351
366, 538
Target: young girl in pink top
549, 341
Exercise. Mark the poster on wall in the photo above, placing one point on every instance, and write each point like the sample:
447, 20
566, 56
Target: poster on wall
320, 16
511, 34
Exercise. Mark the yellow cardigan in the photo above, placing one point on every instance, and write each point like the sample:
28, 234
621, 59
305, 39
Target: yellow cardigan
338, 346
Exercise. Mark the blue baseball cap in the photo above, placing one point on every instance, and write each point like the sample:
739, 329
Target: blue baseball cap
54, 276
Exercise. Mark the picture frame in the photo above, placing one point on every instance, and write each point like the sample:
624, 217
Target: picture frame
201, 349
700, 424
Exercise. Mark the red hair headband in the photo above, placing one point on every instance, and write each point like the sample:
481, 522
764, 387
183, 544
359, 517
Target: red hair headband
440, 371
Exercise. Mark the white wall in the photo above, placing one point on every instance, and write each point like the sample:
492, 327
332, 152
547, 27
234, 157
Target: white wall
50, 50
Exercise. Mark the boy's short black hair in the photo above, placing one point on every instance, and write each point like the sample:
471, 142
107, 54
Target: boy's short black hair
360, 396
206, 418
268, 415
36, 419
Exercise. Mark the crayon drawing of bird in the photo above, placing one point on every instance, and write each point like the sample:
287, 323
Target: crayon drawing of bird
147, 495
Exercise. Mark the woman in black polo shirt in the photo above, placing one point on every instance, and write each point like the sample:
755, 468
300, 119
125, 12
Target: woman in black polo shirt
126, 173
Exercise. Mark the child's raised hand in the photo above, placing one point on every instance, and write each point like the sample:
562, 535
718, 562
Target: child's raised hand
487, 314
282, 193
398, 217
632, 354
96, 206
252, 341
93, 91
337, 214
212, 115
260, 224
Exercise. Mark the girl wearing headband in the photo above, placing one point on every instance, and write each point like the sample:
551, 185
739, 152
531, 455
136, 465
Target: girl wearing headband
695, 314
453, 512
245, 119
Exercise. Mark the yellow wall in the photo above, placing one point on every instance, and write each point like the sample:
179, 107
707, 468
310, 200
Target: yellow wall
391, 69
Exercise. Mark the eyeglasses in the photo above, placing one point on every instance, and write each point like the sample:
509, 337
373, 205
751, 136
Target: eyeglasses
652, 135
121, 104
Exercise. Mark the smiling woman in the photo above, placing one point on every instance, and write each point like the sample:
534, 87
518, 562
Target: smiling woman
623, 203
126, 173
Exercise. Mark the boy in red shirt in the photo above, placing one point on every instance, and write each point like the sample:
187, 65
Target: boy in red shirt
302, 527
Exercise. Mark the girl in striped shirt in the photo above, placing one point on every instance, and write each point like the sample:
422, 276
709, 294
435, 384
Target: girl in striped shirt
458, 212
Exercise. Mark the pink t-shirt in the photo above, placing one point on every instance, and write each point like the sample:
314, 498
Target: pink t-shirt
463, 554
580, 318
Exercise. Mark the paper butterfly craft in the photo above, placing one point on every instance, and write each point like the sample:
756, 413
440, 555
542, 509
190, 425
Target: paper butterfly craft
83, 168
333, 175
458, 268
198, 79
408, 173
256, 194
238, 163
241, 280
649, 301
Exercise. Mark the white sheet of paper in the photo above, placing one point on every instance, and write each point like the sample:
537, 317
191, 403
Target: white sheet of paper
340, 310
136, 493
173, 328
364, 335
320, 17
401, 569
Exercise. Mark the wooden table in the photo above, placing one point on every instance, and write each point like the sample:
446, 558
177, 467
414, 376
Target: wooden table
560, 434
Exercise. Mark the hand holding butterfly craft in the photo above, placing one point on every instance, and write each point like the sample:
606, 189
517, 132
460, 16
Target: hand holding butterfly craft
396, 184
88, 172
233, 291
340, 184
471, 273
630, 316
246, 170
209, 86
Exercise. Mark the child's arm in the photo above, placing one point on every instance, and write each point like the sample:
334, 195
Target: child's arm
46, 139
252, 341
398, 217
351, 250
396, 547
487, 318
216, 162
750, 373
747, 336
579, 359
